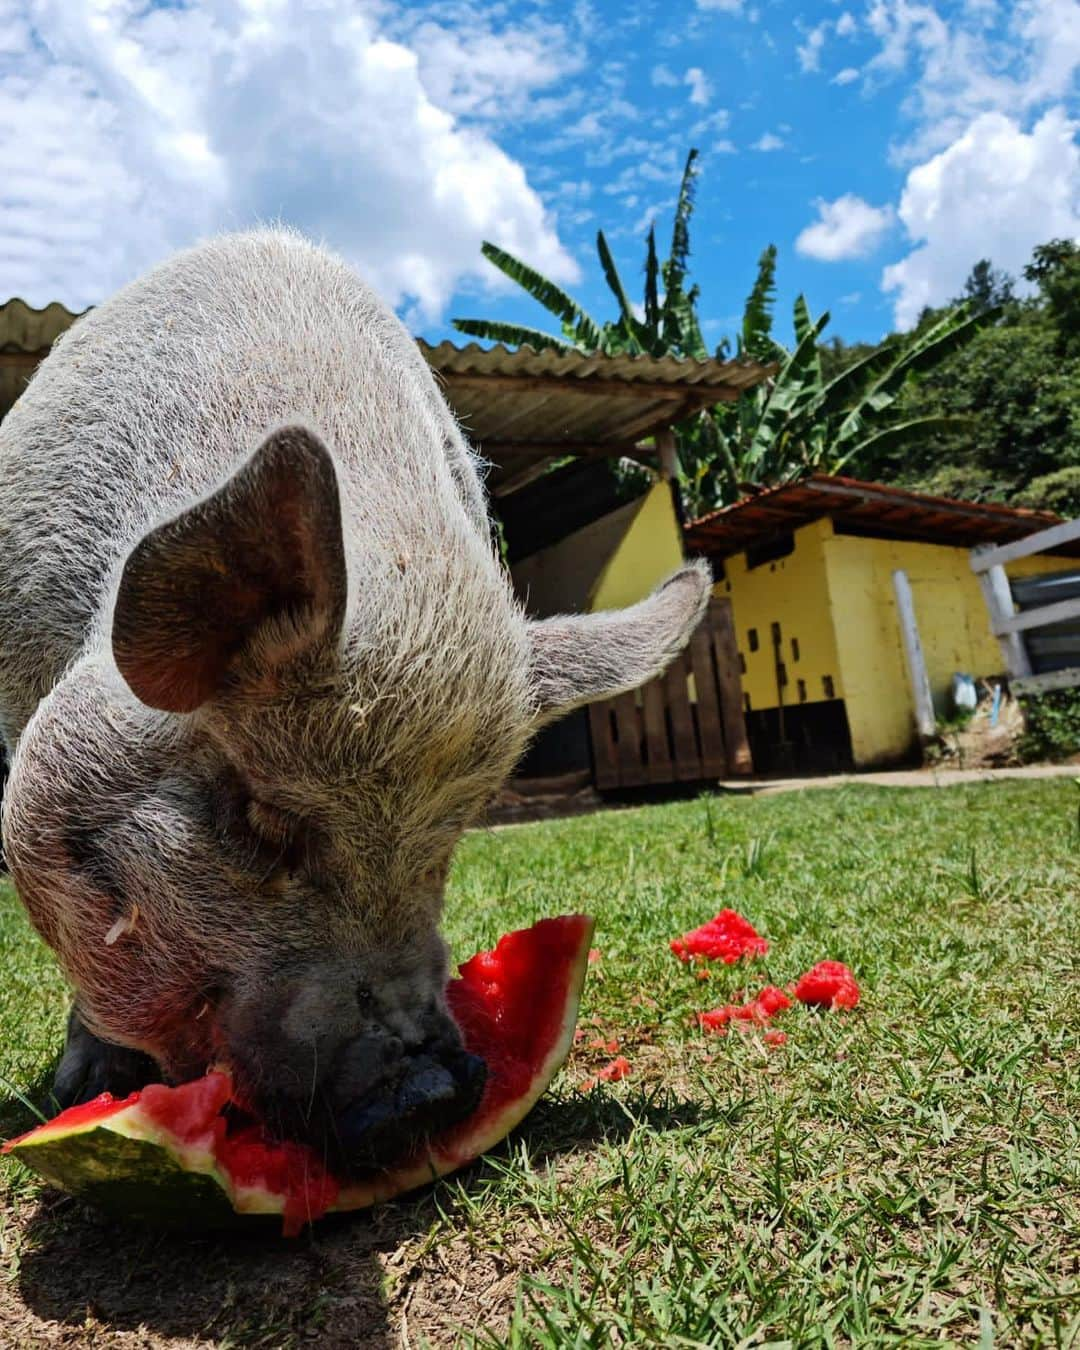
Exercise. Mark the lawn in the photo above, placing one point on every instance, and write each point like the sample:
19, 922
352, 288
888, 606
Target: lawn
906, 1173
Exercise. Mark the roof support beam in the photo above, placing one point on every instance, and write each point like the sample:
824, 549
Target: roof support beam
669, 458
549, 449
1067, 532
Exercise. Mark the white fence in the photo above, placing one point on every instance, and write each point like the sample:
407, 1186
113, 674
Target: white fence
1010, 626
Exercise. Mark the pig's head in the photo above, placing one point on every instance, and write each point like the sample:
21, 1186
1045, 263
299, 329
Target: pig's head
233, 817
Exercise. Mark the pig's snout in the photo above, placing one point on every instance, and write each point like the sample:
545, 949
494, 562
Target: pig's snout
378, 1102
430, 1095
363, 1073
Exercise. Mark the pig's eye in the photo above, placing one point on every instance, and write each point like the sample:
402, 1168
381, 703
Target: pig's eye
277, 827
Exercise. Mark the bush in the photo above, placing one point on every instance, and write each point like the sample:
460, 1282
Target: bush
1058, 491
1052, 725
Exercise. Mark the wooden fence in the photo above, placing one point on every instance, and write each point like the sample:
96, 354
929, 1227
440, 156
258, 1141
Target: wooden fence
686, 726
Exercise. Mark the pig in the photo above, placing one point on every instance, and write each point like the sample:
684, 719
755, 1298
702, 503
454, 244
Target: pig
260, 667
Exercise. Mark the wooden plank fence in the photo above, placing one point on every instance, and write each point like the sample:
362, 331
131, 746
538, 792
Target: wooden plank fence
686, 726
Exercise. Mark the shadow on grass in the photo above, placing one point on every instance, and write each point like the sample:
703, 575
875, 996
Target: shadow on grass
86, 1272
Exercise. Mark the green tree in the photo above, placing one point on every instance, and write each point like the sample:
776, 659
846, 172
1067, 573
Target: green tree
986, 288
799, 421
1055, 269
1017, 387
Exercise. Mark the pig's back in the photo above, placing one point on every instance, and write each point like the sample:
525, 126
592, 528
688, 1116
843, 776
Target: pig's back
151, 400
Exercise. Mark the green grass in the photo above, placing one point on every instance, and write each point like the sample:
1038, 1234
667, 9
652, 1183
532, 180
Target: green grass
908, 1173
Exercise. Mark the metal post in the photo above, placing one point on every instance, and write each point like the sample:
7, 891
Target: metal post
925, 721
669, 459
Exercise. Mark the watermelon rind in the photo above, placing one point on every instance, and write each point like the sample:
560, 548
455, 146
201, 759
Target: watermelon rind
130, 1166
132, 1177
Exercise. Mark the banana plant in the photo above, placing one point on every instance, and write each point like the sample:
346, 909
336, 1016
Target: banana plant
796, 422
665, 325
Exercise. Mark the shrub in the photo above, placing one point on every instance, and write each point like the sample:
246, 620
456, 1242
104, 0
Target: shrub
1052, 725
1058, 491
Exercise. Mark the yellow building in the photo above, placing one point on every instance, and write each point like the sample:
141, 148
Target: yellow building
809, 569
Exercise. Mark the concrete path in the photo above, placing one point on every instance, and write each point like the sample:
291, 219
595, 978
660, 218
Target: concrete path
902, 778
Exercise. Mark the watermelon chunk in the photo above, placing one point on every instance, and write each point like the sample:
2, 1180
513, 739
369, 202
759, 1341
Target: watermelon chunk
830, 984
758, 1009
185, 1157
726, 938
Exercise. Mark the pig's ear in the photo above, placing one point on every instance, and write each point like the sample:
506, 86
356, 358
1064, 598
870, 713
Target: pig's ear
255, 572
578, 658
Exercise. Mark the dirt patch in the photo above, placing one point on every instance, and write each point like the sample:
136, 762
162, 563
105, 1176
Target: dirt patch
524, 799
990, 739
76, 1279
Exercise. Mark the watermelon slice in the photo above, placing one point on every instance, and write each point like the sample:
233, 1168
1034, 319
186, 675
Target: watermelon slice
184, 1157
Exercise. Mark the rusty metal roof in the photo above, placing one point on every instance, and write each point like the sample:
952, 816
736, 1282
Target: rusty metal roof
873, 510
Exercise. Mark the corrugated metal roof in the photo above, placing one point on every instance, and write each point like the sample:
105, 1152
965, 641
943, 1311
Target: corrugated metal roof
473, 359
524, 408
870, 509
26, 334
25, 329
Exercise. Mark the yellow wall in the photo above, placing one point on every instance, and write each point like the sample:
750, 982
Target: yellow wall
649, 550
793, 592
954, 629
562, 578
834, 594
609, 563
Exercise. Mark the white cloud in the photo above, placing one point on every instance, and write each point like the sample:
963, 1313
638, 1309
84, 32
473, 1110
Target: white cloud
717, 120
724, 6
810, 49
1052, 28
475, 71
768, 142
663, 78
700, 89
724, 147
586, 128
995, 192
1014, 58
845, 228
809, 52
846, 76
131, 130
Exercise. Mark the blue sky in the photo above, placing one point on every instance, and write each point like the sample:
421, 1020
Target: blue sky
882, 145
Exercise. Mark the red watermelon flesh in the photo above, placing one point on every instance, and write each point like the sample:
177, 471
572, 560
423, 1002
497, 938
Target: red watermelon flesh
830, 984
727, 938
181, 1155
